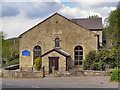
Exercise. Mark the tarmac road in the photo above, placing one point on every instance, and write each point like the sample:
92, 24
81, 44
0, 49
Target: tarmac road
61, 82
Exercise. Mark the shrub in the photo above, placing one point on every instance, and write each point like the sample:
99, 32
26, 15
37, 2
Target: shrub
115, 75
113, 56
38, 63
101, 60
89, 60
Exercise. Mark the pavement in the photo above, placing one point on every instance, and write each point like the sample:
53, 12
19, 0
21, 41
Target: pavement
61, 82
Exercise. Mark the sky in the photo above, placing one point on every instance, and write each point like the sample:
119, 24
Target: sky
18, 16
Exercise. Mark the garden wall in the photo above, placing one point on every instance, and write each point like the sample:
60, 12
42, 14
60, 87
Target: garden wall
23, 74
79, 73
88, 73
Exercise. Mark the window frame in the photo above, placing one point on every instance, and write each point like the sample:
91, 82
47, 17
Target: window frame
36, 53
57, 43
78, 55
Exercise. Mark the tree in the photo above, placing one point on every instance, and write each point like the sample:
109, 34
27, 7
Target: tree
114, 27
118, 6
94, 16
8, 52
1, 37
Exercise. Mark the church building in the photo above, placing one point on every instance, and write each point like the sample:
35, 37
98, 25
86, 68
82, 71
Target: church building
60, 42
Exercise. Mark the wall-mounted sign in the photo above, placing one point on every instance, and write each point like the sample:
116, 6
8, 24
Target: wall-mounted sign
25, 53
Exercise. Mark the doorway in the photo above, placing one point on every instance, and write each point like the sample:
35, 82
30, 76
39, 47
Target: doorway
53, 62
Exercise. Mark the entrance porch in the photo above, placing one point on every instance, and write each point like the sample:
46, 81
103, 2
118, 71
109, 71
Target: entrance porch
56, 58
53, 62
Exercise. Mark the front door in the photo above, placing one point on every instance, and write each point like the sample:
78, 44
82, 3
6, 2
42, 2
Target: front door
53, 62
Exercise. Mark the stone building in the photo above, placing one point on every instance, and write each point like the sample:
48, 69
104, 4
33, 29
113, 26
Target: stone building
60, 42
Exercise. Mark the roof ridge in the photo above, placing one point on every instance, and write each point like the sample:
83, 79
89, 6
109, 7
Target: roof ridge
85, 18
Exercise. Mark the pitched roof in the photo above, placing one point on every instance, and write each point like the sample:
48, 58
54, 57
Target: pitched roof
60, 51
50, 17
89, 23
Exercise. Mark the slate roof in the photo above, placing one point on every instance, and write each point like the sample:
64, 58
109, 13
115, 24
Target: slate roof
60, 51
90, 23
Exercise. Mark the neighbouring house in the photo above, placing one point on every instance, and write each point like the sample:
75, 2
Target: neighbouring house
60, 42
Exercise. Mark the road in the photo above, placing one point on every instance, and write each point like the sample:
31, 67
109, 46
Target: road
61, 82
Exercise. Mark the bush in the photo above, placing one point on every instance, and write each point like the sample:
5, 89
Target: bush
38, 63
113, 56
89, 60
101, 60
115, 75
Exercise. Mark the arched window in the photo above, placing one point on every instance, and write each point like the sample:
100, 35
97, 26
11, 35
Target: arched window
36, 53
78, 55
57, 42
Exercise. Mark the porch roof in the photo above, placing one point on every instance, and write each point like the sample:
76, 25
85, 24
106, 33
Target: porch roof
60, 51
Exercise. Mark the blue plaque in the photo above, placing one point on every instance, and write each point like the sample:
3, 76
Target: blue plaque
25, 53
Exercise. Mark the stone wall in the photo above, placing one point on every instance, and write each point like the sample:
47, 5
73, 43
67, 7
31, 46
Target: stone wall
88, 73
80, 73
57, 26
23, 74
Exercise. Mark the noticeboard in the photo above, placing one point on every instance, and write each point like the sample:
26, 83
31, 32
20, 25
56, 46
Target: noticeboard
25, 53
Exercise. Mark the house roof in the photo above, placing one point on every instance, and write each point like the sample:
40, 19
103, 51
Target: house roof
90, 23
60, 51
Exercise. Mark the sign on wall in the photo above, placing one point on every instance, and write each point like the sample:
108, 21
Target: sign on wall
25, 53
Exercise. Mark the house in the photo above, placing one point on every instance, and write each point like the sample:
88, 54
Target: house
92, 24
60, 42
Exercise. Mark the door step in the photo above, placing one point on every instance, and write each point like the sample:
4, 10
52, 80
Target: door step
48, 75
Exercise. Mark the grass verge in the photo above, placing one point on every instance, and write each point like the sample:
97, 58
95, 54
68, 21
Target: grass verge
10, 63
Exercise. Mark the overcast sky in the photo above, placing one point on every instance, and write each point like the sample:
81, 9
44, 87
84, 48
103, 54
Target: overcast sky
17, 17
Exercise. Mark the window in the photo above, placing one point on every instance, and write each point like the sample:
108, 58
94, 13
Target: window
36, 53
98, 42
78, 51
57, 42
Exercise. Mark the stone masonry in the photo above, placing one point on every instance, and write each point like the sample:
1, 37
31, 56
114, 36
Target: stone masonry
44, 34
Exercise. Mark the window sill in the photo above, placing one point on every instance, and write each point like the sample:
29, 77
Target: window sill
57, 47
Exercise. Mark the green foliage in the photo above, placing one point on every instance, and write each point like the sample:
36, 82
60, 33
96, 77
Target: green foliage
89, 60
10, 62
101, 60
113, 56
113, 28
115, 75
38, 63
94, 16
1, 46
10, 48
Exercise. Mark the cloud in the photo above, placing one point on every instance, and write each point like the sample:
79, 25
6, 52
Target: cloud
13, 26
77, 12
30, 9
9, 10
59, 0
21, 16
97, 4
83, 10
41, 9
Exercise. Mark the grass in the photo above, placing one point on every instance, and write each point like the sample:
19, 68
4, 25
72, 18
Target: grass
10, 63
115, 76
